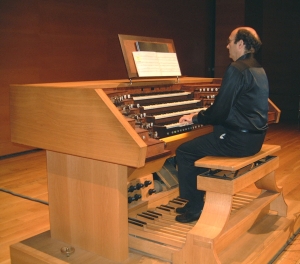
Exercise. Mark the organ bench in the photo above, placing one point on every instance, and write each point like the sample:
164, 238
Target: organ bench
219, 225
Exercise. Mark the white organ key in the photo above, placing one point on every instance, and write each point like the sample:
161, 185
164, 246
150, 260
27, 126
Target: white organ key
159, 96
180, 113
148, 107
177, 125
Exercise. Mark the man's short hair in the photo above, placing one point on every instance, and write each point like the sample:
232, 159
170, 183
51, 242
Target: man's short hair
252, 43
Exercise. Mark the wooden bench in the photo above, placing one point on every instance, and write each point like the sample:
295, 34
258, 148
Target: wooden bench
218, 227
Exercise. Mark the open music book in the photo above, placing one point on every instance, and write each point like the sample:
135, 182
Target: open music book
153, 64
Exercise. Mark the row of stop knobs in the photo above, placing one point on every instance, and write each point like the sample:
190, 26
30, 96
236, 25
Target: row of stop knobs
138, 186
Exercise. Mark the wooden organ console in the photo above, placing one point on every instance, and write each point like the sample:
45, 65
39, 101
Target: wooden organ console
104, 140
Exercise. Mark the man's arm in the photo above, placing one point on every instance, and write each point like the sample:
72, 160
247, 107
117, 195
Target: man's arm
224, 101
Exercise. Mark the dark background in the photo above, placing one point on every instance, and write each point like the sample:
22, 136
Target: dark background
72, 40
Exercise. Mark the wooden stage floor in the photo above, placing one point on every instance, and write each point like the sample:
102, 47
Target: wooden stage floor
26, 175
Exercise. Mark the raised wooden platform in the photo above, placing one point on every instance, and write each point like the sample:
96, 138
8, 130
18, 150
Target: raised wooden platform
42, 249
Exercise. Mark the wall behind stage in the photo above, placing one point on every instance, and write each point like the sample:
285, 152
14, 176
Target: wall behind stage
281, 54
72, 40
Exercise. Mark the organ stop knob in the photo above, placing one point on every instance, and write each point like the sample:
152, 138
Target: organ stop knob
139, 186
151, 191
147, 183
131, 188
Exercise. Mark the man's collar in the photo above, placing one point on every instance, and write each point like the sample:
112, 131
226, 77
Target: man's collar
245, 56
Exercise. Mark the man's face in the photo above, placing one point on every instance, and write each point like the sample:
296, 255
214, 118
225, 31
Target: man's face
233, 47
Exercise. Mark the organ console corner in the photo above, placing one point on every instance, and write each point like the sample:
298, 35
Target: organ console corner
104, 140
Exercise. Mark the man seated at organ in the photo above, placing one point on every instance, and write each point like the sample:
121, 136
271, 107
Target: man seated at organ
239, 117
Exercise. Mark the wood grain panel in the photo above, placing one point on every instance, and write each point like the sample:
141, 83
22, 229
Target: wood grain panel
81, 190
81, 122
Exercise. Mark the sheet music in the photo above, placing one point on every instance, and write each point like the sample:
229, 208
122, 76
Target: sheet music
151, 64
169, 65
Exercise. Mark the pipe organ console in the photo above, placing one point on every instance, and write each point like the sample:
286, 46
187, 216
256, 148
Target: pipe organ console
104, 140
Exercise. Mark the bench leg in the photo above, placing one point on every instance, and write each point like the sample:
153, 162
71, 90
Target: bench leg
279, 205
269, 183
199, 247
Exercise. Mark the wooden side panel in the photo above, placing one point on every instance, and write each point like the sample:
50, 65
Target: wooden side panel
81, 122
88, 204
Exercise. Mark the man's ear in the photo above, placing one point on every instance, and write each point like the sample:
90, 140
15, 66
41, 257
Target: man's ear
240, 43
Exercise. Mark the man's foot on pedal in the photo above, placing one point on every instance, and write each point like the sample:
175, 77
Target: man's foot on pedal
188, 217
182, 210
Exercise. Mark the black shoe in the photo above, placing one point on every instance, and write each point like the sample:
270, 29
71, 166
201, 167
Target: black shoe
188, 217
182, 210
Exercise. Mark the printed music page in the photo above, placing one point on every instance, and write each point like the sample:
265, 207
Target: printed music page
146, 63
152, 64
169, 65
